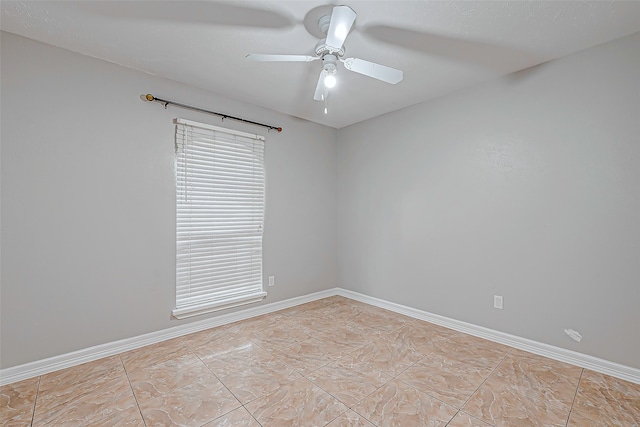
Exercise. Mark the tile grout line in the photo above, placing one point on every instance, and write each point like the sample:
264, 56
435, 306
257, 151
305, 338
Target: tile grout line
559, 405
242, 405
454, 415
314, 370
428, 394
436, 348
574, 398
132, 391
484, 381
458, 410
392, 376
186, 344
349, 408
35, 401
551, 403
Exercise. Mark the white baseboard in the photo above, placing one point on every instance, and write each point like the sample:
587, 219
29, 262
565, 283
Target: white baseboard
55, 363
557, 353
41, 367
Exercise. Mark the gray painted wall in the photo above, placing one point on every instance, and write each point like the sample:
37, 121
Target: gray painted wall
88, 201
526, 187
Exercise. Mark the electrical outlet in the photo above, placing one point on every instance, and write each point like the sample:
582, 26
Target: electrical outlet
497, 301
272, 280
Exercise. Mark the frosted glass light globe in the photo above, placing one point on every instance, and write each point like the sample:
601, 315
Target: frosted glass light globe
330, 81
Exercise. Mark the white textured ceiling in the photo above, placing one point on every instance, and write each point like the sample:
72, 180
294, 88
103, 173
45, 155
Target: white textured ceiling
441, 46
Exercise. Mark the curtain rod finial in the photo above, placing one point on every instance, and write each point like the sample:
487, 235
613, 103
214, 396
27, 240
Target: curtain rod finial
149, 97
279, 129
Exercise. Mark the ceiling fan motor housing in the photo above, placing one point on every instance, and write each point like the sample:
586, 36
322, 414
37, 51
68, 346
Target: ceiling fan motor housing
322, 48
324, 22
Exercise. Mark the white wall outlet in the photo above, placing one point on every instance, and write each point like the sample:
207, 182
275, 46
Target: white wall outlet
497, 301
272, 280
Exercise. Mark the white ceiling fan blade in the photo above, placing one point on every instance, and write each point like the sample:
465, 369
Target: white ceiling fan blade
342, 18
371, 69
321, 89
258, 57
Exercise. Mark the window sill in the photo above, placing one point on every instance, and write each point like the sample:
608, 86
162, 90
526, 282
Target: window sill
196, 310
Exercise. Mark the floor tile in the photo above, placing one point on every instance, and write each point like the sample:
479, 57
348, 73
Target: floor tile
193, 405
310, 308
154, 354
320, 324
604, 399
17, 402
398, 404
334, 316
578, 420
86, 388
128, 418
538, 378
345, 337
350, 419
105, 400
346, 385
502, 403
280, 337
431, 329
310, 355
382, 356
446, 378
421, 347
423, 340
212, 335
251, 326
526, 389
252, 372
382, 320
159, 380
237, 418
219, 361
544, 366
465, 420
79, 379
223, 346
298, 403
466, 347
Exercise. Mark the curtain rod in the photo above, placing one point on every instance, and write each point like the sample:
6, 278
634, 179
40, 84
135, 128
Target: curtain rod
151, 98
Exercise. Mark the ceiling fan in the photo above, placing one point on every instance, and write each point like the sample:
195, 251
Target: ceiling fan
331, 51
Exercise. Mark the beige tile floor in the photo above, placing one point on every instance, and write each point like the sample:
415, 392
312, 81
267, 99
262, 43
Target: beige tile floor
333, 362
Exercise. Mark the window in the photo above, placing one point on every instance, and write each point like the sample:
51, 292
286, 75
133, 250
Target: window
220, 186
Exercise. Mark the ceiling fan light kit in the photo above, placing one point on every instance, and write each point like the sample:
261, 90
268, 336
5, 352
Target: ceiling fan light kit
330, 80
331, 50
330, 70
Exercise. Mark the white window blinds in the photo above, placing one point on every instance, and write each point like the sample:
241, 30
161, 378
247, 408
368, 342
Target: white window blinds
220, 188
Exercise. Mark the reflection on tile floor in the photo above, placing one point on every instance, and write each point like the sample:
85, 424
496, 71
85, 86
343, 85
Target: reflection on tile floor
333, 362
